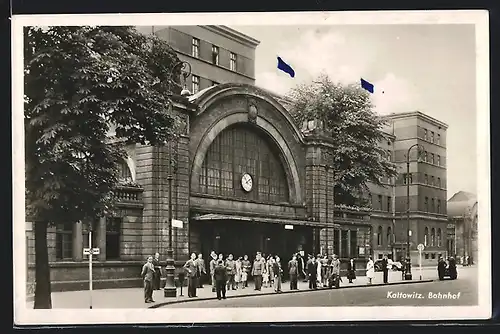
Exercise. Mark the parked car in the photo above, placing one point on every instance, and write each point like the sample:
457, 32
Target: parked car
391, 265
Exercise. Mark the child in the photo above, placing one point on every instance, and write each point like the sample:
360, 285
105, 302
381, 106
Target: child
265, 279
244, 277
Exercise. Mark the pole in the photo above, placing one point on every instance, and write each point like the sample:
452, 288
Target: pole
420, 262
90, 265
170, 289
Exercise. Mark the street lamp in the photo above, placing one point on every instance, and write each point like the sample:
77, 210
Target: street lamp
170, 289
408, 232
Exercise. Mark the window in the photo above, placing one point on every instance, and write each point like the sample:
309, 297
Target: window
64, 241
389, 202
433, 206
354, 244
425, 134
426, 179
438, 162
389, 236
85, 232
113, 229
427, 256
380, 202
195, 84
215, 55
238, 150
411, 178
433, 256
425, 156
439, 237
336, 237
433, 182
380, 256
438, 206
379, 236
432, 136
426, 236
439, 182
426, 204
433, 237
195, 48
124, 174
232, 61
438, 139
405, 178
432, 158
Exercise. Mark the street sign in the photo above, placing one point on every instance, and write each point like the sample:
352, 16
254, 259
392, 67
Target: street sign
420, 247
288, 227
91, 251
177, 223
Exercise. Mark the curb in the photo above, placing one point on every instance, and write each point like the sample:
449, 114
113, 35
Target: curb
288, 292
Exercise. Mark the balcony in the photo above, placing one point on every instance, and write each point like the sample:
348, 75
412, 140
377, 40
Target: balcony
345, 213
129, 195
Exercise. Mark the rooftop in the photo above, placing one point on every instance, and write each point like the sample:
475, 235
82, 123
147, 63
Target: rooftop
461, 204
420, 115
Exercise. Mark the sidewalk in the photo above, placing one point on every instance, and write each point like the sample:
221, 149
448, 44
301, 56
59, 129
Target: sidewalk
133, 297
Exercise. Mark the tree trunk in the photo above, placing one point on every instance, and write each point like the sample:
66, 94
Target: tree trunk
42, 271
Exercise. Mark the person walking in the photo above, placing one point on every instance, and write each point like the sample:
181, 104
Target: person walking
157, 273
220, 277
335, 272
385, 269
325, 270
191, 267
147, 275
312, 271
319, 271
257, 269
231, 271
351, 270
293, 272
213, 264
246, 269
277, 272
370, 270
237, 275
202, 272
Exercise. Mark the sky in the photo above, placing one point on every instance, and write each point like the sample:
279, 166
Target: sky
429, 68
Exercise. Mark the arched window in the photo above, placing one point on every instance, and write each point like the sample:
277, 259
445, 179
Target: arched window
433, 236
124, 174
389, 236
439, 237
379, 236
240, 150
426, 236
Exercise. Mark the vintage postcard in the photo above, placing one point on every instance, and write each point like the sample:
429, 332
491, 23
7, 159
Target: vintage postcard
251, 167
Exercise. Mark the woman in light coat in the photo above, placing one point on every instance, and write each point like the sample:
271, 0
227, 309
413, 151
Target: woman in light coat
370, 270
319, 270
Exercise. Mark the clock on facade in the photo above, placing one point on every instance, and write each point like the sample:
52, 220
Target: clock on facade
246, 182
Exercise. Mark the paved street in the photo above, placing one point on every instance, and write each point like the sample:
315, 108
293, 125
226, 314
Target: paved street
466, 285
133, 297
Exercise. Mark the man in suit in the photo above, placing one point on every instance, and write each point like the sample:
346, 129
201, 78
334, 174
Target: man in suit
213, 264
293, 271
335, 272
192, 268
351, 270
147, 274
257, 270
385, 269
312, 272
220, 277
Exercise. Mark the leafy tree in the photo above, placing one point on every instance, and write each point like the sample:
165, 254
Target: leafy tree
355, 129
78, 81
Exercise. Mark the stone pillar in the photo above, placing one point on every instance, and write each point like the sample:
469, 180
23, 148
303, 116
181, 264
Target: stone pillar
349, 244
101, 239
78, 241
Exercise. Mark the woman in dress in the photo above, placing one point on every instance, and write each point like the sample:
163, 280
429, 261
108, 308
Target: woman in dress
237, 275
270, 270
370, 270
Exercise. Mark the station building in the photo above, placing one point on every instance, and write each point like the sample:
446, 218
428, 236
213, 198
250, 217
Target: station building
244, 178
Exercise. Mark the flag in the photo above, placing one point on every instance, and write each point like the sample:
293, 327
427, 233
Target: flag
366, 85
285, 67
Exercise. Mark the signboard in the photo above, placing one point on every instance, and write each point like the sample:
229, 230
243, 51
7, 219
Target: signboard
288, 227
93, 251
177, 223
361, 250
420, 247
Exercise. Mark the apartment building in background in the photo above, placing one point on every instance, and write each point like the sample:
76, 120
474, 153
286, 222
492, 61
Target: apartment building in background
217, 54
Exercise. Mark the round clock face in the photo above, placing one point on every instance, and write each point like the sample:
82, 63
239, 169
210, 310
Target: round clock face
246, 182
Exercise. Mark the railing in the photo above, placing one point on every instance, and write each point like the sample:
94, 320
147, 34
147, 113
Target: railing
128, 194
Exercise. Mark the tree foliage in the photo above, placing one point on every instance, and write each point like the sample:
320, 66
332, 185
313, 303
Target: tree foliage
78, 81
356, 132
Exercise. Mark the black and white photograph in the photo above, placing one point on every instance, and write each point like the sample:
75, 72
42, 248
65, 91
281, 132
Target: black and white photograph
251, 167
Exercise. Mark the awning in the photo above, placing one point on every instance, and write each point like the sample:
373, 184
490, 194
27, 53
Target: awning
212, 216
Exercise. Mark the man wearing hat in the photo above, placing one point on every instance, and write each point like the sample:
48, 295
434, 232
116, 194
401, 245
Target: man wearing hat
213, 264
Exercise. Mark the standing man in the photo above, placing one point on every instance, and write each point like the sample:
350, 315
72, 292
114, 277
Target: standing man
147, 274
231, 271
293, 271
351, 270
191, 267
246, 268
257, 270
213, 264
312, 271
157, 274
202, 270
278, 272
385, 269
335, 271
220, 278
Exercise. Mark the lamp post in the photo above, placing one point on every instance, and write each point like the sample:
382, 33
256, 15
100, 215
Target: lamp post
408, 275
170, 289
